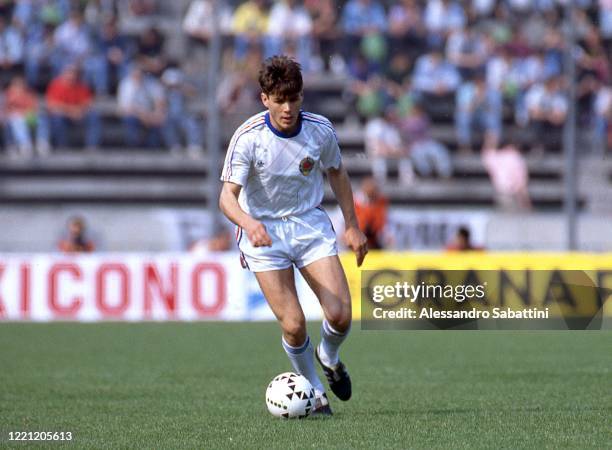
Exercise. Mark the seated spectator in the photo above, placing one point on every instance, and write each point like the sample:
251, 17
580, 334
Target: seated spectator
603, 118
76, 241
407, 34
74, 46
199, 22
40, 54
11, 48
462, 241
382, 143
428, 156
239, 90
324, 30
372, 96
141, 102
605, 23
22, 114
481, 107
361, 18
116, 53
249, 25
547, 107
142, 8
504, 75
70, 103
441, 17
371, 212
289, 25
467, 50
150, 46
434, 77
179, 118
509, 175
397, 75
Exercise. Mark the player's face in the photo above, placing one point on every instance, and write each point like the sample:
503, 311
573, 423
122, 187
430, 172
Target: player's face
284, 111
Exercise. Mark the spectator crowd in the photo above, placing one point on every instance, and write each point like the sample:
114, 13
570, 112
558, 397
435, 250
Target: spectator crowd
496, 62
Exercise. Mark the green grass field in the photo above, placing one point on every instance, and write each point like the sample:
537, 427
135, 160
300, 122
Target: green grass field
202, 385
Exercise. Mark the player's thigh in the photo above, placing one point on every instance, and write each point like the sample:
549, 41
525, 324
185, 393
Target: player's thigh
326, 278
278, 286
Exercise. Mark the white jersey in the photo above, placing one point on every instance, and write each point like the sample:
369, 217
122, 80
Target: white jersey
281, 175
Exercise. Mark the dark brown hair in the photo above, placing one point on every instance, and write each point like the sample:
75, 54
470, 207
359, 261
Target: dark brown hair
280, 76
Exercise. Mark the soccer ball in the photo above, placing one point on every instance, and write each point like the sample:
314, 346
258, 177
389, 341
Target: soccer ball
289, 396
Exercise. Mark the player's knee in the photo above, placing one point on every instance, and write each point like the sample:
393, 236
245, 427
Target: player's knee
294, 330
340, 317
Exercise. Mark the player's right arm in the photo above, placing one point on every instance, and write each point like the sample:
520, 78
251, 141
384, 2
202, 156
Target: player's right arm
228, 203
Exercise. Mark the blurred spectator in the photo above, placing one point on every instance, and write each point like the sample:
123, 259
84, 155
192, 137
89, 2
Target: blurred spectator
11, 47
150, 46
372, 96
371, 211
141, 102
70, 102
547, 107
116, 52
509, 175
382, 143
428, 156
398, 75
74, 46
99, 11
239, 89
324, 31
605, 22
603, 118
462, 241
406, 28
140, 8
504, 75
200, 21
467, 50
361, 19
40, 53
221, 241
22, 115
441, 17
593, 70
434, 76
478, 106
289, 25
179, 118
76, 240
249, 24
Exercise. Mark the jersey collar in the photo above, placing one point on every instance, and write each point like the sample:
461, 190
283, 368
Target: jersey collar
280, 133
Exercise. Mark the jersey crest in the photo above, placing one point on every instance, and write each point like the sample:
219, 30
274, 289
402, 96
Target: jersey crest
306, 165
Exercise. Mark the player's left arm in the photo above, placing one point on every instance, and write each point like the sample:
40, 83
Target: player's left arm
341, 185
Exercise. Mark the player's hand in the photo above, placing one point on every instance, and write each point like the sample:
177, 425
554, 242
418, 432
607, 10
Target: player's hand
258, 235
356, 241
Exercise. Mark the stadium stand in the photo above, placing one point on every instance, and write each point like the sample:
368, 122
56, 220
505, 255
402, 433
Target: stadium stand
337, 85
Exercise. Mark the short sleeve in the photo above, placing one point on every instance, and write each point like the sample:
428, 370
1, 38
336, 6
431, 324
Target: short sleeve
330, 153
238, 160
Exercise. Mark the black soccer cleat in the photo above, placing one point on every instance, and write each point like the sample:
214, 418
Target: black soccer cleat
322, 408
338, 378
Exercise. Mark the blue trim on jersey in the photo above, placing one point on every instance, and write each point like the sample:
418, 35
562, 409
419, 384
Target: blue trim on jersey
280, 133
310, 118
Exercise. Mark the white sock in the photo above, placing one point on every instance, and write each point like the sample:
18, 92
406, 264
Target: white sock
302, 360
330, 344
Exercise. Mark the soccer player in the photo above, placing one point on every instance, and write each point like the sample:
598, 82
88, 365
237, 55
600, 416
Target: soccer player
272, 190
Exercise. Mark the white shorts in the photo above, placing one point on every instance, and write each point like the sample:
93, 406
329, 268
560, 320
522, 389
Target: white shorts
298, 240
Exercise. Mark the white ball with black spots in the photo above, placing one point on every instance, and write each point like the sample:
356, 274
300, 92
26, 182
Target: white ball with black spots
290, 396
